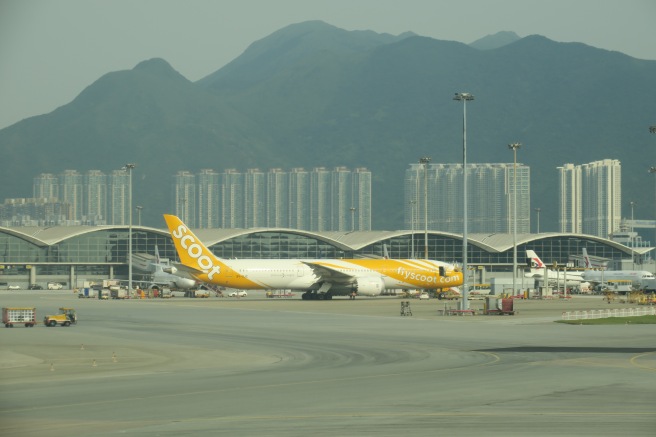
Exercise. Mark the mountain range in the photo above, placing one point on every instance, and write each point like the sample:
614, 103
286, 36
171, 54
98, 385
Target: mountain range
312, 94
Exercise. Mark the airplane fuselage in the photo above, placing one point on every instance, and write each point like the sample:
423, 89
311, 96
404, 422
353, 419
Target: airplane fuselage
603, 276
297, 274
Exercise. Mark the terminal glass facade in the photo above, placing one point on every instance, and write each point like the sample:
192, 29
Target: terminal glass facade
277, 245
103, 253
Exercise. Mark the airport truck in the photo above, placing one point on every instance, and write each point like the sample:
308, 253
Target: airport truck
66, 317
21, 316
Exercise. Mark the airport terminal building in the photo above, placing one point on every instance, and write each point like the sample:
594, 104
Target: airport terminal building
73, 254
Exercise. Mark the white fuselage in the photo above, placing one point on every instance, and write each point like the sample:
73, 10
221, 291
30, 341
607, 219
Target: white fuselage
341, 274
553, 277
602, 276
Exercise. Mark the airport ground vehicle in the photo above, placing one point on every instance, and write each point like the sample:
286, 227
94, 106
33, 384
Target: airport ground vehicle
13, 287
66, 317
23, 316
424, 295
238, 293
54, 286
447, 294
35, 287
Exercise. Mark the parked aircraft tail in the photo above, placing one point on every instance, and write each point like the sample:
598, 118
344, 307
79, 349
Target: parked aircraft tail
586, 259
533, 260
202, 263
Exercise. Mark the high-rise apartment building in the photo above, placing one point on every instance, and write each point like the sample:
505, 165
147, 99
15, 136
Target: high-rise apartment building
119, 198
342, 207
95, 198
602, 201
320, 192
208, 199
254, 192
232, 199
591, 197
184, 197
71, 191
435, 192
277, 199
569, 199
45, 186
362, 199
299, 199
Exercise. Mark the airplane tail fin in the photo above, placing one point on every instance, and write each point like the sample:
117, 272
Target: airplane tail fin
586, 259
533, 260
192, 252
158, 262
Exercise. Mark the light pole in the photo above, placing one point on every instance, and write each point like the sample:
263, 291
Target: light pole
139, 208
425, 160
412, 225
464, 97
129, 168
514, 147
538, 211
632, 203
652, 170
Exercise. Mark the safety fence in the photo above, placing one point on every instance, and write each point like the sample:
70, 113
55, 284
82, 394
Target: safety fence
602, 314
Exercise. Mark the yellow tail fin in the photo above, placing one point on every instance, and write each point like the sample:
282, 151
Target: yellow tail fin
192, 251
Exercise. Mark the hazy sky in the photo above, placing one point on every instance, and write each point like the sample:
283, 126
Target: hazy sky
50, 50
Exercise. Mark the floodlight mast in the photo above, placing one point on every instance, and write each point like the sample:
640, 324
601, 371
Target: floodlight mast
652, 170
425, 161
129, 168
514, 147
464, 97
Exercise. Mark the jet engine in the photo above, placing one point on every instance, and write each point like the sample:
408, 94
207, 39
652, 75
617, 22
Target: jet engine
184, 283
369, 286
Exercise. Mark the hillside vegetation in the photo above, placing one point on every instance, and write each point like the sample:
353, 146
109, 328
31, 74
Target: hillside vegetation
315, 95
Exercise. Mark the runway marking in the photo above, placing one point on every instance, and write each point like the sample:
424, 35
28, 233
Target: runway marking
634, 362
494, 359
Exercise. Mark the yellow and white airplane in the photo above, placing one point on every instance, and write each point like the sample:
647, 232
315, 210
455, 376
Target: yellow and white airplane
318, 278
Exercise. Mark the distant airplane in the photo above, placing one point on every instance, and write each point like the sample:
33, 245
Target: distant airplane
643, 278
538, 272
317, 278
594, 263
162, 277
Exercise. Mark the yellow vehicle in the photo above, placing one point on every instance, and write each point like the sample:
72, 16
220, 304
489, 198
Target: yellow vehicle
66, 317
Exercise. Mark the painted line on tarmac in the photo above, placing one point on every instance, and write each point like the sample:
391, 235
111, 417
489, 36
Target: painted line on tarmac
634, 362
494, 359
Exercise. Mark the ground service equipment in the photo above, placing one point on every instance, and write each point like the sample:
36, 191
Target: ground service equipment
66, 317
23, 316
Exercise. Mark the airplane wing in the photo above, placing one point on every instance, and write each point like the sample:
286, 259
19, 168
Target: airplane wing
328, 274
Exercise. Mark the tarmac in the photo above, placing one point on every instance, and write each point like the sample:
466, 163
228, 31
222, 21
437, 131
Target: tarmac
285, 367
